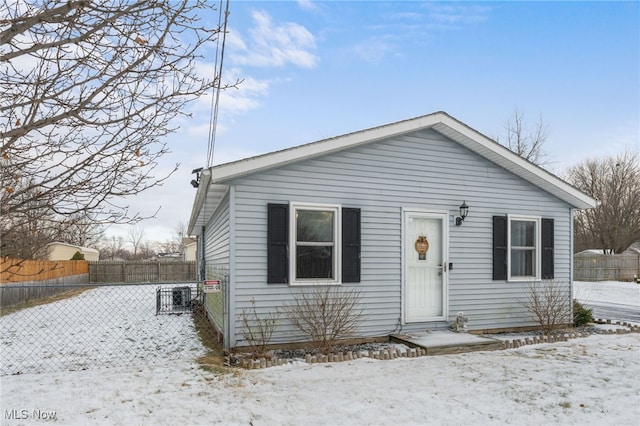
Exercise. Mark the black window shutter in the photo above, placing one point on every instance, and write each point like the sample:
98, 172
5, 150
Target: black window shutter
499, 248
277, 243
350, 245
547, 249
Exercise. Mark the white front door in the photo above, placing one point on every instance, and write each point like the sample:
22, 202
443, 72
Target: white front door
425, 269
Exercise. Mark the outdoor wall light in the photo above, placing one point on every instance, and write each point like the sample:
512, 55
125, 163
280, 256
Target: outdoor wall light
464, 210
196, 182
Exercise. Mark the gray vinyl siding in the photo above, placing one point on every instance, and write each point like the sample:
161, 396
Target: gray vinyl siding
216, 239
217, 259
424, 170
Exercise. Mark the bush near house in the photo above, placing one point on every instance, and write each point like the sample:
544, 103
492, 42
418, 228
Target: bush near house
581, 315
549, 304
326, 315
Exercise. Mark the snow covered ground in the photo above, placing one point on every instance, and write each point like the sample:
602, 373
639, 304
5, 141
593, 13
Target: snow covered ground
116, 325
607, 293
591, 380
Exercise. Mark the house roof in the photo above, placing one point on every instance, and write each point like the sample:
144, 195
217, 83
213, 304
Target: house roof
79, 248
213, 180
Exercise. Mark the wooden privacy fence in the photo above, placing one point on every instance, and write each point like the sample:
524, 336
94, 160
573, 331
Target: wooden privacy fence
606, 267
141, 272
21, 270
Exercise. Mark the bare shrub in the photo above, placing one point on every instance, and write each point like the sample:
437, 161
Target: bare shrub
257, 330
326, 314
550, 304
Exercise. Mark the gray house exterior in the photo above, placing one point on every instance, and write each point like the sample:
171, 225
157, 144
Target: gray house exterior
356, 211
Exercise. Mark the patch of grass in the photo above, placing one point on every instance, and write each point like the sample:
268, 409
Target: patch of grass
45, 301
565, 404
213, 360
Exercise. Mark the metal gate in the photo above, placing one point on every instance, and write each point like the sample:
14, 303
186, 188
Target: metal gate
177, 300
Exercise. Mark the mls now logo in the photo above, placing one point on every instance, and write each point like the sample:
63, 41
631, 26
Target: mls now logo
15, 414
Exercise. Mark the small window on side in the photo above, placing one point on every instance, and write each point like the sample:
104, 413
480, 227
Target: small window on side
524, 258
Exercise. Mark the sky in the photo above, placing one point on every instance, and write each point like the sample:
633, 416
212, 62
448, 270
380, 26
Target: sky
313, 70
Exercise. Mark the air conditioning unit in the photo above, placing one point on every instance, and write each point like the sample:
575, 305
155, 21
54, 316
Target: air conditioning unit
181, 298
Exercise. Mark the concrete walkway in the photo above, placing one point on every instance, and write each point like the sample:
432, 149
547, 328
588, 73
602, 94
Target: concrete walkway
447, 342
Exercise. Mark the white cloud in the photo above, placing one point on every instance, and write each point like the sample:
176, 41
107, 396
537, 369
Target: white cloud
453, 15
400, 28
375, 49
275, 45
307, 5
234, 41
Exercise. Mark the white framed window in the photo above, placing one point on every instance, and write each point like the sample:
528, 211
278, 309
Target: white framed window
523, 252
315, 243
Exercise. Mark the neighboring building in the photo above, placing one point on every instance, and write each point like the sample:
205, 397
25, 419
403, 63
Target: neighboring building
189, 252
175, 255
589, 252
188, 247
379, 210
64, 251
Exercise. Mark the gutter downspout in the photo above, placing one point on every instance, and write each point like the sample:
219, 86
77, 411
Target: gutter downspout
571, 239
203, 267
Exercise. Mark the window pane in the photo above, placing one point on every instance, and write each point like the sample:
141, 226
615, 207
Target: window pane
523, 233
522, 263
314, 262
314, 226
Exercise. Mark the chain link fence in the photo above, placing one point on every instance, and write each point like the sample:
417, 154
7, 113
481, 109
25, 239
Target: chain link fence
92, 326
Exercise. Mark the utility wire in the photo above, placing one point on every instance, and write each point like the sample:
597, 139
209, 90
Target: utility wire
215, 99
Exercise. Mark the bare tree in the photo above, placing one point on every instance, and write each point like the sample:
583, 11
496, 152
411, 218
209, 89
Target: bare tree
27, 235
526, 140
112, 248
80, 229
136, 234
146, 250
89, 91
169, 246
614, 224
